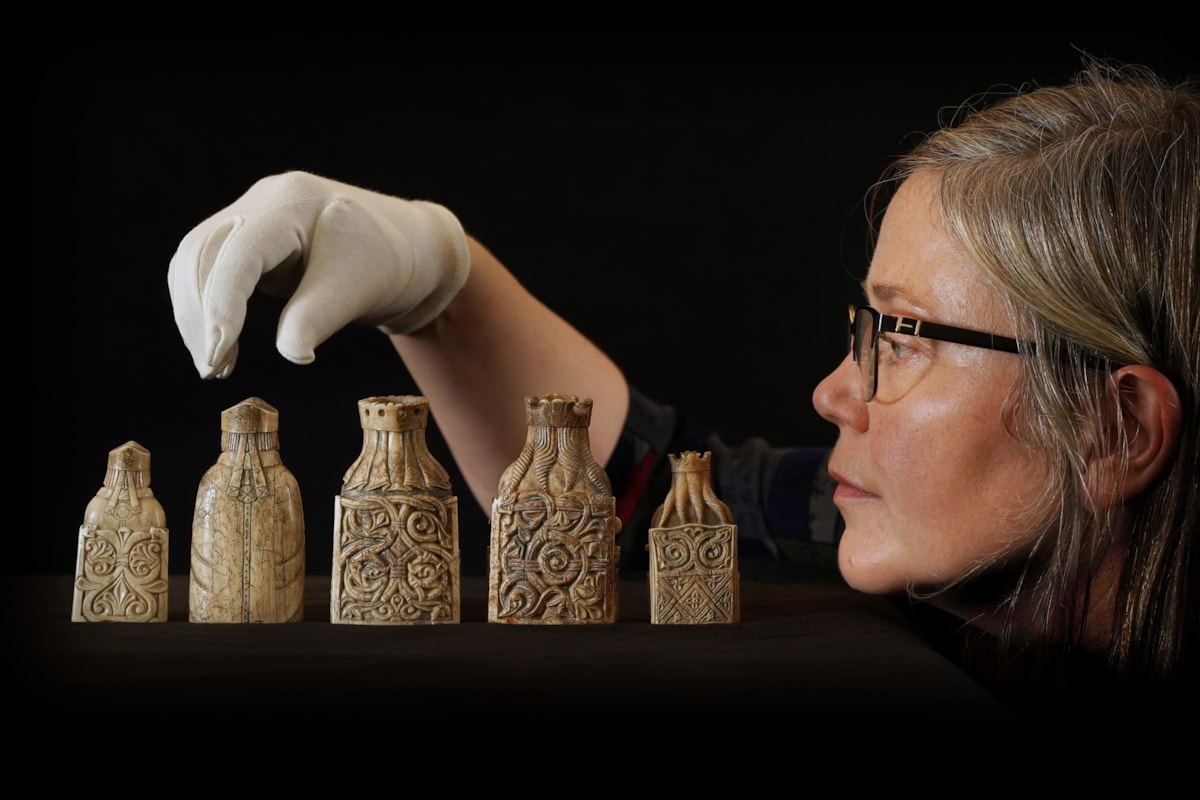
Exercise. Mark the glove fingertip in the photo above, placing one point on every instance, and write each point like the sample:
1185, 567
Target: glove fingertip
220, 362
218, 353
297, 355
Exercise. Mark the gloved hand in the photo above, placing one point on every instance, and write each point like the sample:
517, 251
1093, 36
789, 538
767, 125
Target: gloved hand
342, 254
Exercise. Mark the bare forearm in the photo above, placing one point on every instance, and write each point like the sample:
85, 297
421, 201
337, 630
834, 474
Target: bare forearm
492, 346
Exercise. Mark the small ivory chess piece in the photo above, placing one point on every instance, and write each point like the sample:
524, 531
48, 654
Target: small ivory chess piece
121, 566
694, 575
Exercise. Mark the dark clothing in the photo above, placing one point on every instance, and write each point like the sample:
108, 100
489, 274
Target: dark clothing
781, 499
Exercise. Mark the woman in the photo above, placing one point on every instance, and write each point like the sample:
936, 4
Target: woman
1017, 418
1077, 210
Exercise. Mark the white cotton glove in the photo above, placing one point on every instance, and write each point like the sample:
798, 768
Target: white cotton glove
342, 254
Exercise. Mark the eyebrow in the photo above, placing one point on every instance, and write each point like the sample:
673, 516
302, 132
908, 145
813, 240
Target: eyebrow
888, 291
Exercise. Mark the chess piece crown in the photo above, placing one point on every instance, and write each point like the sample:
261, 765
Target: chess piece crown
394, 413
557, 410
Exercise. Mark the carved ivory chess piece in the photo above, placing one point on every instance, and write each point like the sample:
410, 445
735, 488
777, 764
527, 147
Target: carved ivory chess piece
553, 557
395, 529
694, 575
121, 567
248, 528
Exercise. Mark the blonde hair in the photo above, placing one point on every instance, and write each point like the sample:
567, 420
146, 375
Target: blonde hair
1082, 205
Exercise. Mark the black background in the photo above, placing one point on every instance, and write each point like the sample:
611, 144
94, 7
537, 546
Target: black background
691, 200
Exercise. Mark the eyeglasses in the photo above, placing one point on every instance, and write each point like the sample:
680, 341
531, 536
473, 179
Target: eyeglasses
866, 324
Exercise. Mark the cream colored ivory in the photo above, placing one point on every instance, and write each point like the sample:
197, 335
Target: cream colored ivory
694, 576
247, 560
553, 558
395, 530
121, 565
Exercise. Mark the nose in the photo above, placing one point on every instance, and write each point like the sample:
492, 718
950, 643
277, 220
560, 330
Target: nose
838, 397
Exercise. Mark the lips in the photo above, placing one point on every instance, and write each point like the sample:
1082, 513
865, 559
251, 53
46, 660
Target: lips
847, 490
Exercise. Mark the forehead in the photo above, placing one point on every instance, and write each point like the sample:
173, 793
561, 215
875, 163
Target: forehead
919, 268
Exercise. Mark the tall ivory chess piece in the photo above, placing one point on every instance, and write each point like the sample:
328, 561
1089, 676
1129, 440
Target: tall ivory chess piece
248, 528
395, 526
553, 557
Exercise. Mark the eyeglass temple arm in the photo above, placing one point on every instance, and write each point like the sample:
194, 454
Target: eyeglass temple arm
947, 333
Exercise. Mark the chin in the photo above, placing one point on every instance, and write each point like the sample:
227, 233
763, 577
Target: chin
870, 575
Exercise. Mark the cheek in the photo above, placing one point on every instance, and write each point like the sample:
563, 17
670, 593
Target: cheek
954, 488
929, 447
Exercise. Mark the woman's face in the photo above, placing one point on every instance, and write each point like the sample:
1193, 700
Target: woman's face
930, 483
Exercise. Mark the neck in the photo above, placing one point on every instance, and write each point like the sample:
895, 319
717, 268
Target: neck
1000, 598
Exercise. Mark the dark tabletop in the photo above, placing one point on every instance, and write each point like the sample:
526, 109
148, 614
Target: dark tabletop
815, 650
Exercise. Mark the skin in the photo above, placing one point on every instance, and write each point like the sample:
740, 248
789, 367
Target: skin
929, 481
495, 339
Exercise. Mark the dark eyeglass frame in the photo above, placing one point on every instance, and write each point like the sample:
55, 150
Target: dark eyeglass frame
908, 326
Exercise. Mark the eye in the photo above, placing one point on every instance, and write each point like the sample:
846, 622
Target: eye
894, 347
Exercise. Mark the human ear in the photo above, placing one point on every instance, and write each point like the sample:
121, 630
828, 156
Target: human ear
1139, 449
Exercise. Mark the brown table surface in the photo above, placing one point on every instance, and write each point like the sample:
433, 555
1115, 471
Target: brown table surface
816, 650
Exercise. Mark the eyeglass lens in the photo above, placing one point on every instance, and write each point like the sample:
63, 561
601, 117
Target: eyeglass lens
863, 326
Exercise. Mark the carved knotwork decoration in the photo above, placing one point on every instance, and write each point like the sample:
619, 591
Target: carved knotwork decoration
553, 557
395, 557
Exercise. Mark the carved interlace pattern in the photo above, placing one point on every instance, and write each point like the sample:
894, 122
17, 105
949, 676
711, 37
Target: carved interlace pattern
123, 575
397, 560
555, 557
